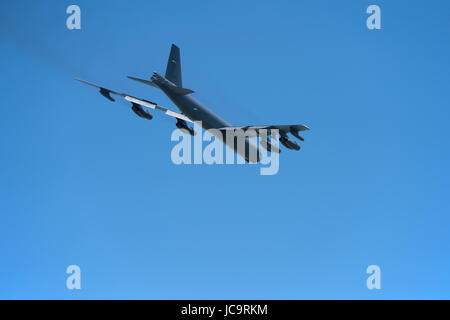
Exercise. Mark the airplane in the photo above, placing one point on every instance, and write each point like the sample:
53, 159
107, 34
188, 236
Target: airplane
192, 110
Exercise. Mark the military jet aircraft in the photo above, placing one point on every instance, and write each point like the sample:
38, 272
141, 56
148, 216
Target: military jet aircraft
192, 110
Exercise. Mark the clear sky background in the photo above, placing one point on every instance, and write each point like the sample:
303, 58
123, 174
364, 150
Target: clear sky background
86, 182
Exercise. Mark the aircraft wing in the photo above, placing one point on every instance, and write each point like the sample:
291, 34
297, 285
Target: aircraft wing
282, 128
144, 103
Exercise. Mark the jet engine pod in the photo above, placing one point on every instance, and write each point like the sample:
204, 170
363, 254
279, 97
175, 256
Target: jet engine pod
181, 124
295, 134
269, 146
289, 143
141, 112
106, 93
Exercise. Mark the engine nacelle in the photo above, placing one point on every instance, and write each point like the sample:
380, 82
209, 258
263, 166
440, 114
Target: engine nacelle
141, 112
269, 146
181, 124
289, 143
106, 94
295, 134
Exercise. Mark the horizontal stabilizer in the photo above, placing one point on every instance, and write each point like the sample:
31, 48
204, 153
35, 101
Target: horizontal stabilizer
147, 82
181, 91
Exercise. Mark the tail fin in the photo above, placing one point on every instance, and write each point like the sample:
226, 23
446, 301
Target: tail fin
173, 71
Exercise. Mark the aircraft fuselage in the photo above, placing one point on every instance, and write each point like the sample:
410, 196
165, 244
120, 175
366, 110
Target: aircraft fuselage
198, 112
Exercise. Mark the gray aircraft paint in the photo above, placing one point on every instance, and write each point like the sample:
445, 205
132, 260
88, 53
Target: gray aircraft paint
194, 111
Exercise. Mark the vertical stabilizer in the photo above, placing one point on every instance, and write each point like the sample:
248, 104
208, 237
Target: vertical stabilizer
173, 71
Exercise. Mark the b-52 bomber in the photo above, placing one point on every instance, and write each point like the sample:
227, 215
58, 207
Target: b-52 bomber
192, 110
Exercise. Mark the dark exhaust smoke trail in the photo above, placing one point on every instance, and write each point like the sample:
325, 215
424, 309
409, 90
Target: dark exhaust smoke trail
50, 51
30, 41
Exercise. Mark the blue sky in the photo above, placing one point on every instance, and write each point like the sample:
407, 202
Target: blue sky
86, 182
